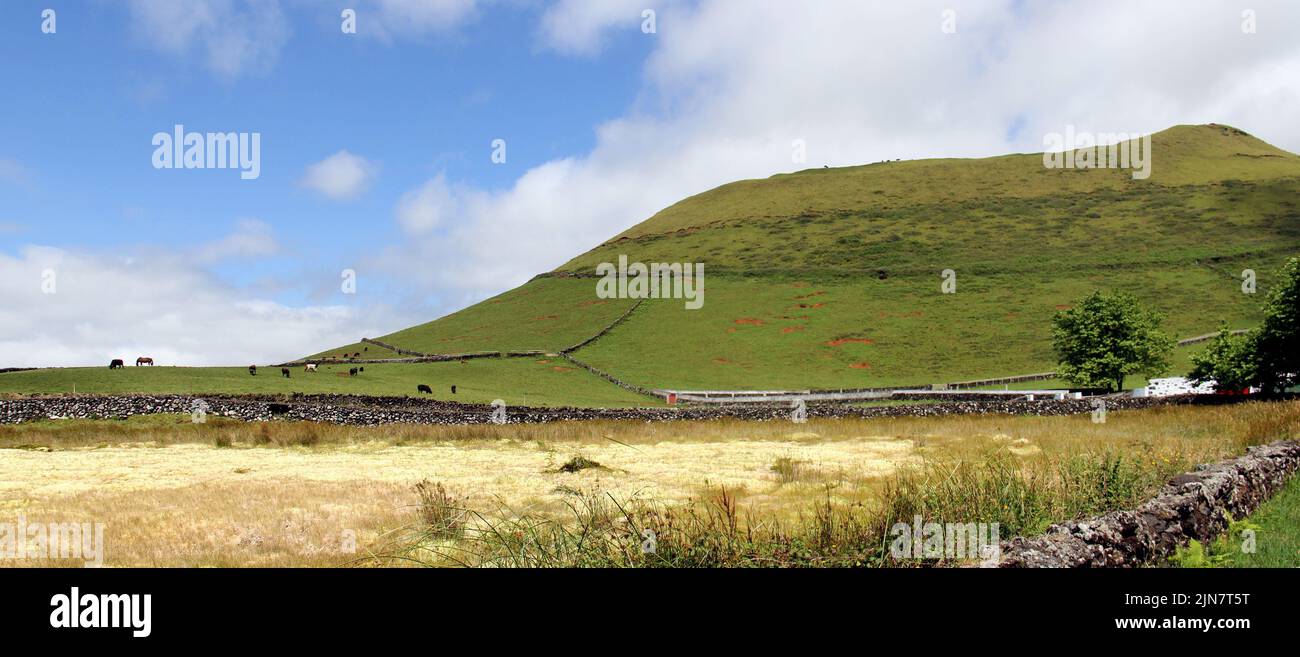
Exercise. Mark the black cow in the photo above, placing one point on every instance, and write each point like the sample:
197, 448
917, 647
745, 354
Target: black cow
252, 370
285, 371
453, 390
116, 363
424, 388
352, 372
361, 369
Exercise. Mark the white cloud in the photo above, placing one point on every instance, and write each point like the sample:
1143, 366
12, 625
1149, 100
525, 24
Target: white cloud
731, 83
111, 306
251, 239
341, 176
234, 36
389, 19
428, 207
581, 26
13, 172
168, 305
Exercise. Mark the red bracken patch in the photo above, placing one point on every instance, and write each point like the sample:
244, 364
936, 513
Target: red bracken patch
811, 294
1063, 306
750, 321
721, 361
545, 317
593, 302
791, 329
558, 368
864, 365
844, 341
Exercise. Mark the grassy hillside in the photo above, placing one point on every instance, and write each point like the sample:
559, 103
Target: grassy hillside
547, 314
831, 277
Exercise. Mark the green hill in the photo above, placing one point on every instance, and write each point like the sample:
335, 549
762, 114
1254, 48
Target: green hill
831, 277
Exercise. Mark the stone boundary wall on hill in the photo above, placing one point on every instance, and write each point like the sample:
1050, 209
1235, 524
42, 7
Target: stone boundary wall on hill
394, 348
433, 358
607, 329
1207, 337
1191, 506
1020, 378
611, 378
363, 410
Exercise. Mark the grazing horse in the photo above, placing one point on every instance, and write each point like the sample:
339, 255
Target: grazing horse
252, 370
424, 388
143, 360
309, 367
116, 363
285, 372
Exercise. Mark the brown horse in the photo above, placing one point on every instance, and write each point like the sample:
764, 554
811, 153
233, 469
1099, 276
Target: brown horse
143, 360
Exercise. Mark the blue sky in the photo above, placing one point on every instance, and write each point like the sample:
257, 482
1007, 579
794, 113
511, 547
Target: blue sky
375, 151
85, 102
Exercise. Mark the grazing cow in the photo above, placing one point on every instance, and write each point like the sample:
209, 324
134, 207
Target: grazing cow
284, 371
361, 369
143, 360
453, 390
116, 363
252, 370
352, 372
309, 367
424, 388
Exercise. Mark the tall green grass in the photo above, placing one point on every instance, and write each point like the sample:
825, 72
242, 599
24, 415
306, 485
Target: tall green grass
599, 530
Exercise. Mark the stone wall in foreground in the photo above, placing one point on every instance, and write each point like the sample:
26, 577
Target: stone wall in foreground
1191, 506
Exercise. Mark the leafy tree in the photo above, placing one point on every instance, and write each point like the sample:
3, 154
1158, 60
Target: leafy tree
1105, 337
1267, 357
1277, 342
1228, 361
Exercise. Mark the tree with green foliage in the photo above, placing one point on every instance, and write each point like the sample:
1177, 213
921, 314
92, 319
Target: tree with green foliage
1105, 337
1277, 342
1228, 362
1267, 357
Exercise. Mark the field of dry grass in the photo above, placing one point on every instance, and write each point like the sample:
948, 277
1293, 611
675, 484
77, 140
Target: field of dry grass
171, 493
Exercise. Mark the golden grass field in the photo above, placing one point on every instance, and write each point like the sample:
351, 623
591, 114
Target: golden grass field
300, 494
